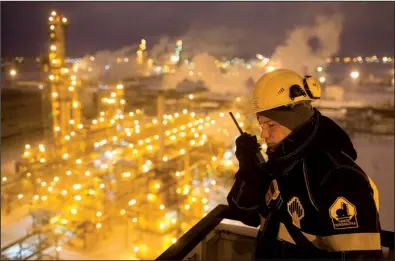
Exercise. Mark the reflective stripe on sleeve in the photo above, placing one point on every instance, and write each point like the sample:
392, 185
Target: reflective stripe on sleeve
336, 243
375, 193
285, 236
354, 241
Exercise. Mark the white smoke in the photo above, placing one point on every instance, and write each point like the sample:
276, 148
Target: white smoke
214, 40
107, 65
163, 47
232, 81
296, 53
204, 47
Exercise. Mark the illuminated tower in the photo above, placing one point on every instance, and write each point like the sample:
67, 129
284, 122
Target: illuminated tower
175, 58
141, 58
178, 51
65, 116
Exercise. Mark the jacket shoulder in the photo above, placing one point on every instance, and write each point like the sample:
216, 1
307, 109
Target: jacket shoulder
323, 162
320, 166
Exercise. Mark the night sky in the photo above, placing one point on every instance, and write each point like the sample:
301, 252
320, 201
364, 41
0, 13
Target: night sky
368, 27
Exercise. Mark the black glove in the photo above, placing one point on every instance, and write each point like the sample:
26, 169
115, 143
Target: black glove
247, 147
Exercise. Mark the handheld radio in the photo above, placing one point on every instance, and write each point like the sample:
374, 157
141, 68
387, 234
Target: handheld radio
259, 157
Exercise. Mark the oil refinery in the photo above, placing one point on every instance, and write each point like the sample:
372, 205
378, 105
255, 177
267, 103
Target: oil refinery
150, 174
134, 166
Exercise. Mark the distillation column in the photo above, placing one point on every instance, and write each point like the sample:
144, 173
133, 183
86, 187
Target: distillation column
65, 105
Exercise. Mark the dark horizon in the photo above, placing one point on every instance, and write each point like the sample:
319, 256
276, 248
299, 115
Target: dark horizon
368, 27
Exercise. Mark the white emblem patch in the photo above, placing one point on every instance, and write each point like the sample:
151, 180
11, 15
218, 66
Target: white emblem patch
296, 210
343, 214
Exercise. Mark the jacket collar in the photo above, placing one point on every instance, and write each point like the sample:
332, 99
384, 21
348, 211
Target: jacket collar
291, 149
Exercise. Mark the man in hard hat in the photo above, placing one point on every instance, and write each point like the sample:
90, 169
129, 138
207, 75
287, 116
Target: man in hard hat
310, 198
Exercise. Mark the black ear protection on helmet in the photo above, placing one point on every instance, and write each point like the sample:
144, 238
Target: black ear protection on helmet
310, 88
296, 91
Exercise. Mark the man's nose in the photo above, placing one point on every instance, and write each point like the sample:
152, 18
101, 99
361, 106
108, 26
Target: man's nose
264, 133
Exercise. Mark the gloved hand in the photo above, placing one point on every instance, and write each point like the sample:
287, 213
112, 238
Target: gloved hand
246, 148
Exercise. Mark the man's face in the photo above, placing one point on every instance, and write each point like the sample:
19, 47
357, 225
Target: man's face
272, 131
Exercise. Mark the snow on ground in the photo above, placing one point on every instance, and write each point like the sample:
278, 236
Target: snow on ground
340, 104
67, 254
15, 225
376, 157
351, 95
372, 98
114, 247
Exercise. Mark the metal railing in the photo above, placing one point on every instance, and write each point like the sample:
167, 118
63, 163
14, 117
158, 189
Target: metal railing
196, 234
199, 232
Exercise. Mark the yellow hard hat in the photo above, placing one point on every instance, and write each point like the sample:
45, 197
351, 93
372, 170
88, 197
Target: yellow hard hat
281, 88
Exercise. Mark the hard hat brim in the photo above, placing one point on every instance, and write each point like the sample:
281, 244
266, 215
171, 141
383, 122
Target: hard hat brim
251, 111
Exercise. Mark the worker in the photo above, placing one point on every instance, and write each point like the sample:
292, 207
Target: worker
310, 199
